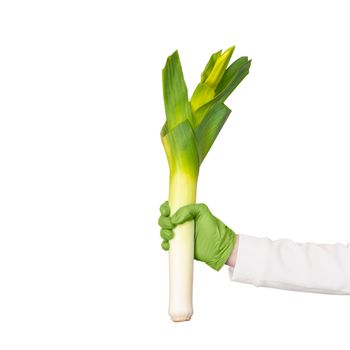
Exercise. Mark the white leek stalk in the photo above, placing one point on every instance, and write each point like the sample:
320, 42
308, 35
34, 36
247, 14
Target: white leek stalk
182, 191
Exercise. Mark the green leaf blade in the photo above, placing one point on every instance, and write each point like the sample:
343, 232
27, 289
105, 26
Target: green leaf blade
210, 79
210, 127
177, 106
225, 91
210, 65
214, 77
232, 73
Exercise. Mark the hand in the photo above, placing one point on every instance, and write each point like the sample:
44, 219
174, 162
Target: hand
213, 240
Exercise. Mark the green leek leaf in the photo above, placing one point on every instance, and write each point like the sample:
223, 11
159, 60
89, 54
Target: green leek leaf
219, 68
208, 68
230, 73
209, 128
210, 79
225, 91
177, 107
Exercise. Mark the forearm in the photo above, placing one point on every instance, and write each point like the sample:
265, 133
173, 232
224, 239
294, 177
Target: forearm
284, 264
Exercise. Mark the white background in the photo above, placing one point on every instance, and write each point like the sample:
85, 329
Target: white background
83, 172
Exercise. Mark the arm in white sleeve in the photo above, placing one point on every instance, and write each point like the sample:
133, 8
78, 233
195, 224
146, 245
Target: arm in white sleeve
284, 264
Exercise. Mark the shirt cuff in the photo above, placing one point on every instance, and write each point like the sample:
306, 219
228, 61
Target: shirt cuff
251, 260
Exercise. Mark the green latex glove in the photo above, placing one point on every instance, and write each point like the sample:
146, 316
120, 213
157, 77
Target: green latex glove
213, 240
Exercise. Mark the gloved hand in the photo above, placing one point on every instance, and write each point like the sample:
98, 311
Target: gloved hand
213, 240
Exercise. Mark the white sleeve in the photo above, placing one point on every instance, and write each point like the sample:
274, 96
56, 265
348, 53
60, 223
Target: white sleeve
284, 264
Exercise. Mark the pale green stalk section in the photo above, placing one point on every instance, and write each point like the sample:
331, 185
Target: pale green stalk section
182, 191
181, 151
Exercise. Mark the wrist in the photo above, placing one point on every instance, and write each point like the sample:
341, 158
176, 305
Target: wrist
223, 249
231, 261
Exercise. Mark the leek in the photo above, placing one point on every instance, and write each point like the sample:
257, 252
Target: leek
190, 130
